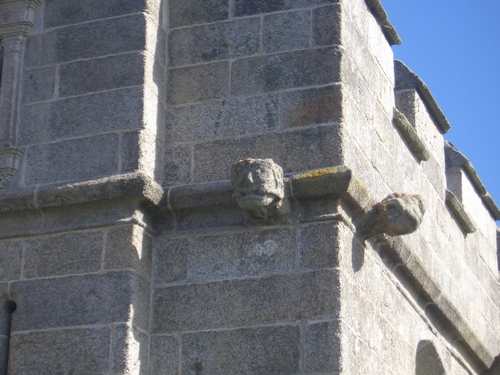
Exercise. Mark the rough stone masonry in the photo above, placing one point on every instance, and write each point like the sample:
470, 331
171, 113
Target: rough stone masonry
350, 238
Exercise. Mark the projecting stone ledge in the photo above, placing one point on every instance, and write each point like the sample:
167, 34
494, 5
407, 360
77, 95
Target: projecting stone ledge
131, 185
458, 211
336, 182
410, 136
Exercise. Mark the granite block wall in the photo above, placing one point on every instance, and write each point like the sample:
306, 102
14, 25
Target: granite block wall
91, 81
124, 251
251, 79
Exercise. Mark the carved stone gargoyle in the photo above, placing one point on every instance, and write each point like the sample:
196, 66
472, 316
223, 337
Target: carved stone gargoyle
396, 215
258, 187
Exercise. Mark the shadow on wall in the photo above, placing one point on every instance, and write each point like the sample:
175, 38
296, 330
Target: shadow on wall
7, 307
427, 361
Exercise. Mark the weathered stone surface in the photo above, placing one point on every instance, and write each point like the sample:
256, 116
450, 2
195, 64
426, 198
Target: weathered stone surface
248, 7
94, 39
130, 348
64, 254
80, 116
262, 350
33, 51
201, 195
242, 254
222, 119
10, 261
73, 351
323, 347
189, 12
65, 12
177, 165
224, 40
79, 300
258, 187
286, 31
197, 83
171, 257
129, 247
62, 161
396, 215
106, 73
208, 218
282, 298
326, 23
260, 74
312, 106
131, 151
164, 355
298, 150
39, 84
20, 223
319, 246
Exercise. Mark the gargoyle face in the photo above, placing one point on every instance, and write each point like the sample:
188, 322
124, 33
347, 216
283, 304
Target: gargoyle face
258, 185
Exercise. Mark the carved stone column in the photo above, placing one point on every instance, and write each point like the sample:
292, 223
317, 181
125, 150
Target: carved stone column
17, 20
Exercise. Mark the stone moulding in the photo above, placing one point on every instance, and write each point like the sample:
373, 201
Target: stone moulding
132, 185
336, 184
16, 22
399, 259
10, 163
458, 211
410, 136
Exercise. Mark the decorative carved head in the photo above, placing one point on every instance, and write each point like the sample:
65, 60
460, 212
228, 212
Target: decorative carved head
401, 213
396, 215
258, 186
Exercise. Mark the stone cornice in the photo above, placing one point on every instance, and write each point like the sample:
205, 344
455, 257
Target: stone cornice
133, 185
308, 193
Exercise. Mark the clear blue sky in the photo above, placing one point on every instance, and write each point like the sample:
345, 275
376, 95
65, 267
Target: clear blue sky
454, 46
